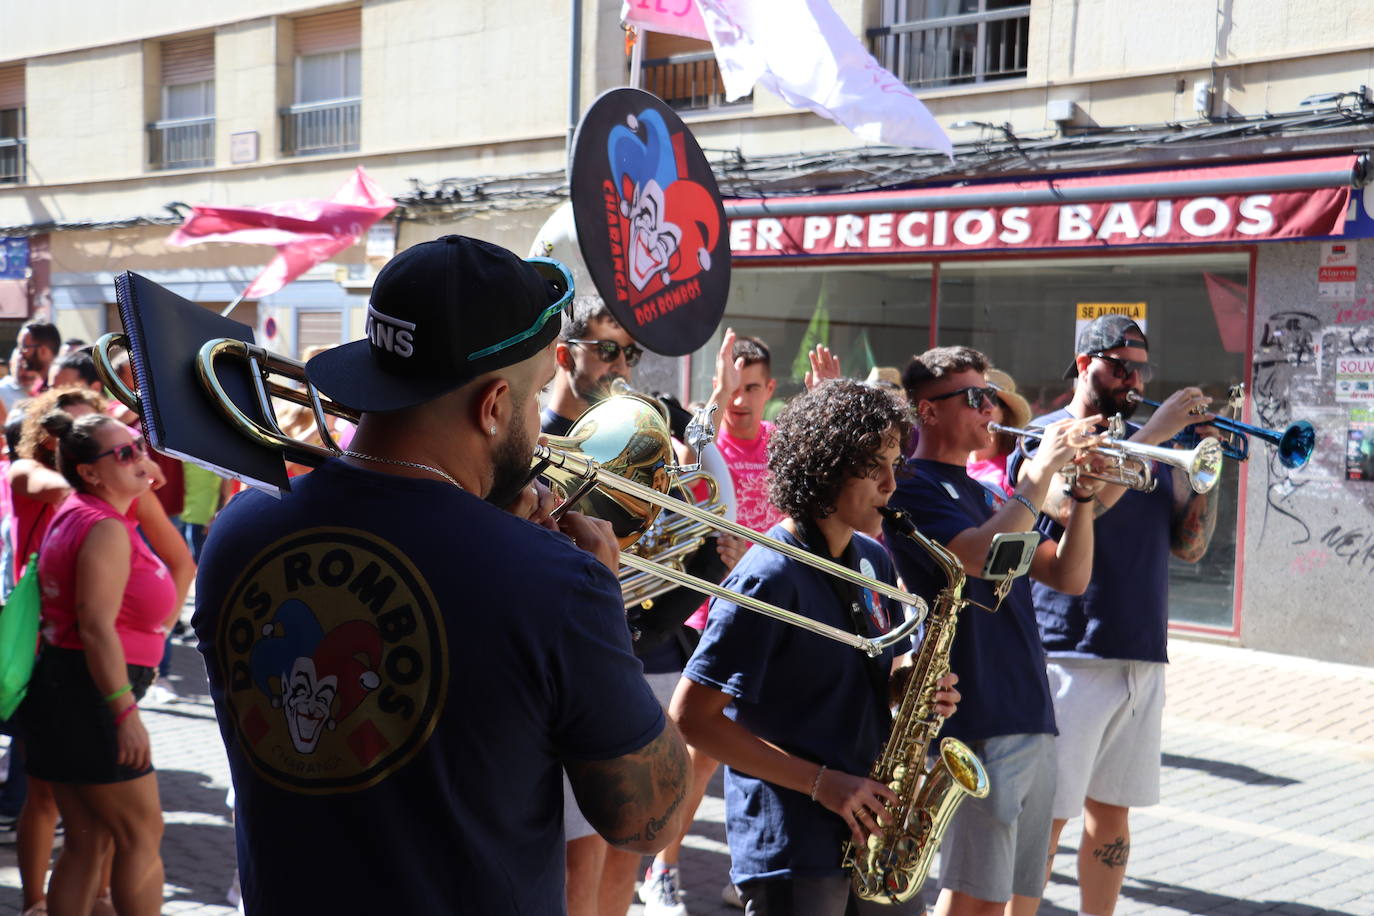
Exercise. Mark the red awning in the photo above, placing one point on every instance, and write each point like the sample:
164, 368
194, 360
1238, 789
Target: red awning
1198, 205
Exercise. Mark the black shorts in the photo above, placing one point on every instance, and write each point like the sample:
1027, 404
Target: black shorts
68, 726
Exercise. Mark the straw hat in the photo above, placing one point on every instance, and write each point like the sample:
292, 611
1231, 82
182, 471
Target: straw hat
1016, 410
885, 376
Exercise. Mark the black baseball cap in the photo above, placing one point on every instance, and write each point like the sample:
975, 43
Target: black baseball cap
442, 313
1107, 332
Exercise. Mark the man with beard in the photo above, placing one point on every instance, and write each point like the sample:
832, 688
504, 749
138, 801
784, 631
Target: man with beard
592, 351
38, 344
1107, 647
459, 656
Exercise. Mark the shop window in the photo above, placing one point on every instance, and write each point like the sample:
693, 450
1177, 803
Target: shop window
316, 329
1022, 314
184, 137
684, 73
931, 43
325, 117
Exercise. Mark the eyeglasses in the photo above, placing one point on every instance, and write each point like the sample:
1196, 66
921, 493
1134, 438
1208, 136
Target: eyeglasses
977, 398
124, 454
561, 279
608, 350
1122, 368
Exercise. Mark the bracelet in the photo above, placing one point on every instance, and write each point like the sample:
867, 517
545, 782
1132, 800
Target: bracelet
1027, 503
816, 783
124, 713
1068, 491
119, 693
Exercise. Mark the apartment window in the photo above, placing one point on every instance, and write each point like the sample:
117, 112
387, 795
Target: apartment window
930, 43
185, 136
12, 125
684, 73
328, 85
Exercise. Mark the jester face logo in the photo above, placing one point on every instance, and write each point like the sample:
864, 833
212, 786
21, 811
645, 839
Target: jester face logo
334, 658
671, 221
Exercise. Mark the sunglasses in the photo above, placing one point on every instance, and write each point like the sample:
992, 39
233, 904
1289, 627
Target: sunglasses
124, 454
1122, 368
977, 398
560, 279
609, 350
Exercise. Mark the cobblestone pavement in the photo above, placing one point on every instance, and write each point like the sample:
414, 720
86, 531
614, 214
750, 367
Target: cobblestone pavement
1268, 798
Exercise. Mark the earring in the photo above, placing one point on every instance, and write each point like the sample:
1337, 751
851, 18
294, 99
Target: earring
492, 431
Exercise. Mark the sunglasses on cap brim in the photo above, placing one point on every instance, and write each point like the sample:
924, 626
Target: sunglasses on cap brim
560, 278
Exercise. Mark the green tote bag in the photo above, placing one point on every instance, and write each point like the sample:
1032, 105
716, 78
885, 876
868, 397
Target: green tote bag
19, 640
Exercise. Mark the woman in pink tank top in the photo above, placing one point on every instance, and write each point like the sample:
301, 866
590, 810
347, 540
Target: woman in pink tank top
106, 598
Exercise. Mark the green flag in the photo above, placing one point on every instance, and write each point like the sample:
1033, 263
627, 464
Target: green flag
860, 360
817, 332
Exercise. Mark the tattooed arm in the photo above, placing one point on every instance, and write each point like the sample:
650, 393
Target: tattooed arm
635, 801
1195, 518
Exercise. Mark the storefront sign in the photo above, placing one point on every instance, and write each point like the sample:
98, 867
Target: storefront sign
1085, 313
1196, 220
1355, 378
14, 258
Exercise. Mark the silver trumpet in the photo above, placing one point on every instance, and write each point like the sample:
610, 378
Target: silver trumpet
1130, 464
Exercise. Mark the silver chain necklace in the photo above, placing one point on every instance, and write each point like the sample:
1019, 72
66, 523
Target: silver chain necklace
406, 464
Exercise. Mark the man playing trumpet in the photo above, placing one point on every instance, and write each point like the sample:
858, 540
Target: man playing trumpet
1107, 646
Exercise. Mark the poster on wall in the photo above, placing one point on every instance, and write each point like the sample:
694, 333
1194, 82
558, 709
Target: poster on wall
1337, 272
1087, 312
1359, 445
1355, 377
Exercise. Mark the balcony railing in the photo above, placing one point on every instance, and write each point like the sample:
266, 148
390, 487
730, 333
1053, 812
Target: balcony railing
11, 160
185, 143
688, 82
955, 50
312, 128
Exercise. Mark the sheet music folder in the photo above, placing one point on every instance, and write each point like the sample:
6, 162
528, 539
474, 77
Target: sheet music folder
165, 334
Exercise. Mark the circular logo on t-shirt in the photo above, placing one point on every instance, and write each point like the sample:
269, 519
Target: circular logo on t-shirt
334, 661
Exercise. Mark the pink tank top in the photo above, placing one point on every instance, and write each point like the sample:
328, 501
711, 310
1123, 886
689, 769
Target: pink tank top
31, 520
148, 596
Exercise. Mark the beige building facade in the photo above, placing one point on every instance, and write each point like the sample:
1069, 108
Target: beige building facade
115, 118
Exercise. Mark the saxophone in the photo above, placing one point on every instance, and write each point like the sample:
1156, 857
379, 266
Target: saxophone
892, 866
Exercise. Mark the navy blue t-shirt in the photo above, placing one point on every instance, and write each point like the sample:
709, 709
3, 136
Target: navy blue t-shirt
811, 696
399, 669
1125, 611
998, 657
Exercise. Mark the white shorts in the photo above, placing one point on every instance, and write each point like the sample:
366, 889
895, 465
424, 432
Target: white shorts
1109, 713
575, 826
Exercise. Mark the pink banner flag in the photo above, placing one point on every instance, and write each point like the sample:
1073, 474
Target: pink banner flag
675, 17
1231, 309
304, 232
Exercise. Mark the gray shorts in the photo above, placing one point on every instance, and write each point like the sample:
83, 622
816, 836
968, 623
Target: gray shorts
1110, 714
998, 846
575, 826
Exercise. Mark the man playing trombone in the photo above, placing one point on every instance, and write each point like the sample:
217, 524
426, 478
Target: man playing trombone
1107, 646
806, 716
995, 847
400, 668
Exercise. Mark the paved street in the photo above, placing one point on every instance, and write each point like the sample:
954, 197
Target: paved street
1268, 798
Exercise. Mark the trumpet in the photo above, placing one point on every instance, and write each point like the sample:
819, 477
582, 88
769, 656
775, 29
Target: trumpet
1128, 464
1295, 444
630, 437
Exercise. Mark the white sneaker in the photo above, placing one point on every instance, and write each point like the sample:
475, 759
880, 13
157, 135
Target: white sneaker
730, 896
660, 893
160, 692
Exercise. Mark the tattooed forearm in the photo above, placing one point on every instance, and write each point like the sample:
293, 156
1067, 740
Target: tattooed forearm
642, 790
1193, 530
1115, 854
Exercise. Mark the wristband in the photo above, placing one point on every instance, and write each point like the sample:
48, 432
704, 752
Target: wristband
1026, 502
1068, 491
816, 783
119, 693
124, 713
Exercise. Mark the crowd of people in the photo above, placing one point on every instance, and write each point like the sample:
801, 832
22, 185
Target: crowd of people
414, 630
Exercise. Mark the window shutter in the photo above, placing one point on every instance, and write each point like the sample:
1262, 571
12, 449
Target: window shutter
12, 87
188, 60
318, 329
338, 31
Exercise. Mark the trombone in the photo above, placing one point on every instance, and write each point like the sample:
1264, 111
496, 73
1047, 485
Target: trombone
623, 434
1295, 444
1128, 464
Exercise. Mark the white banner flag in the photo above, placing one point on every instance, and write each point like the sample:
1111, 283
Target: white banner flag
802, 51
